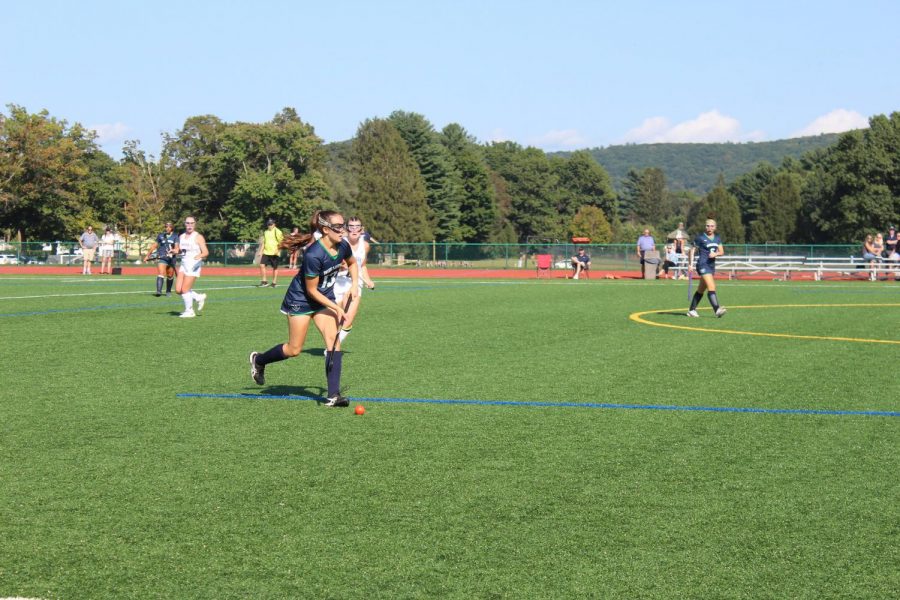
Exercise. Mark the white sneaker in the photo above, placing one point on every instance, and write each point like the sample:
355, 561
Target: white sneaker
692, 313
188, 314
721, 311
201, 301
575, 277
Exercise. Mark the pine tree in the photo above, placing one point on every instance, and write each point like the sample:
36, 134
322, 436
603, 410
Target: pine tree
443, 185
391, 198
478, 209
779, 209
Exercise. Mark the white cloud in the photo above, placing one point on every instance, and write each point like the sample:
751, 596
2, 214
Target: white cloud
110, 133
710, 126
837, 121
559, 138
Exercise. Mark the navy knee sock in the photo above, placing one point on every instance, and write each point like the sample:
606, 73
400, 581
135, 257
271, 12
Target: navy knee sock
169, 282
714, 300
696, 300
159, 280
273, 354
334, 375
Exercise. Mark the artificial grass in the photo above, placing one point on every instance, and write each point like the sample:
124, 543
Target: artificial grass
114, 486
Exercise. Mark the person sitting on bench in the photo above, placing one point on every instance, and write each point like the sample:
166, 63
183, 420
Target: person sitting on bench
581, 262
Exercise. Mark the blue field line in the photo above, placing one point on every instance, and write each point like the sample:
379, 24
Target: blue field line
725, 409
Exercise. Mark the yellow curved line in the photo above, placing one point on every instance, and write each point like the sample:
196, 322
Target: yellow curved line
638, 318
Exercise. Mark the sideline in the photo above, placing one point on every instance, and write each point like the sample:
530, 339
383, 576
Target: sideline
638, 317
669, 407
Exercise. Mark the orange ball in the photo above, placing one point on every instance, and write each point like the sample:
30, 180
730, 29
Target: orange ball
360, 409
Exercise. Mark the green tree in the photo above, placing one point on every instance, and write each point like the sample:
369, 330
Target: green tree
645, 197
723, 207
442, 183
43, 171
531, 185
590, 221
583, 182
392, 196
854, 187
478, 208
747, 189
779, 210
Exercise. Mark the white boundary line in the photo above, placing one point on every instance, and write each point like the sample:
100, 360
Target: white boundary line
142, 292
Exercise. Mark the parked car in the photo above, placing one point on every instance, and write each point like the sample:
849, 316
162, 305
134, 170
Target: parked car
9, 259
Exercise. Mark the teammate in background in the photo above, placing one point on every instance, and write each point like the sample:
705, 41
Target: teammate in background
292, 257
107, 248
310, 297
271, 253
360, 248
88, 242
164, 246
710, 247
191, 247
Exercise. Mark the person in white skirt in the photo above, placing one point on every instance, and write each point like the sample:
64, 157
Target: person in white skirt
360, 248
192, 249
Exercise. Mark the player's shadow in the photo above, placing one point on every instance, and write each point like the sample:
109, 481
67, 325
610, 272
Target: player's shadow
320, 352
315, 392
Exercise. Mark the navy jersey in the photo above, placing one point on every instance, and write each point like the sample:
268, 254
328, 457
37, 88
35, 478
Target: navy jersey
705, 245
165, 243
317, 262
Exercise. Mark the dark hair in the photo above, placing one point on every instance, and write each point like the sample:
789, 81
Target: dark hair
293, 241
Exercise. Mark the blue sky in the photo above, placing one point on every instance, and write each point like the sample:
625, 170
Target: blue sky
557, 75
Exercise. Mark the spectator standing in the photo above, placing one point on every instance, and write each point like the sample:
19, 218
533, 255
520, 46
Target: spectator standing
645, 244
271, 253
107, 249
88, 242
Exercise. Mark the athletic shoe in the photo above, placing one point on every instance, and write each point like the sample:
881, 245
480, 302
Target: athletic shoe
201, 301
257, 372
168, 294
575, 276
338, 401
720, 311
272, 284
188, 314
692, 313
263, 284
157, 294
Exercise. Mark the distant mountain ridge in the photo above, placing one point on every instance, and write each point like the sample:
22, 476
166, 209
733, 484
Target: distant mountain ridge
696, 167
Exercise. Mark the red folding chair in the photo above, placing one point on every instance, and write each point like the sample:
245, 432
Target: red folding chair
544, 264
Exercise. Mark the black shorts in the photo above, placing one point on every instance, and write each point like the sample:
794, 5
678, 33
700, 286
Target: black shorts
269, 260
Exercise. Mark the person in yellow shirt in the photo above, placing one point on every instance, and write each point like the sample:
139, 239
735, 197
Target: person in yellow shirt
271, 253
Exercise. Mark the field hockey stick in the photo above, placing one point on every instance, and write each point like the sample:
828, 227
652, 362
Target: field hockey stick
337, 336
690, 284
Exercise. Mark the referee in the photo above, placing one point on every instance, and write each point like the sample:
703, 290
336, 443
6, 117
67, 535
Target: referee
271, 253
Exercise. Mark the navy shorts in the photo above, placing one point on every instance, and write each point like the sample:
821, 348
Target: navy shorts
706, 269
168, 261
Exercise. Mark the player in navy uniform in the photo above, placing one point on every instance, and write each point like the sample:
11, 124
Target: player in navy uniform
310, 297
709, 246
164, 246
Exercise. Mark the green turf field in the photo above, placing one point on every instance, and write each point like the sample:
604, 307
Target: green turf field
129, 469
